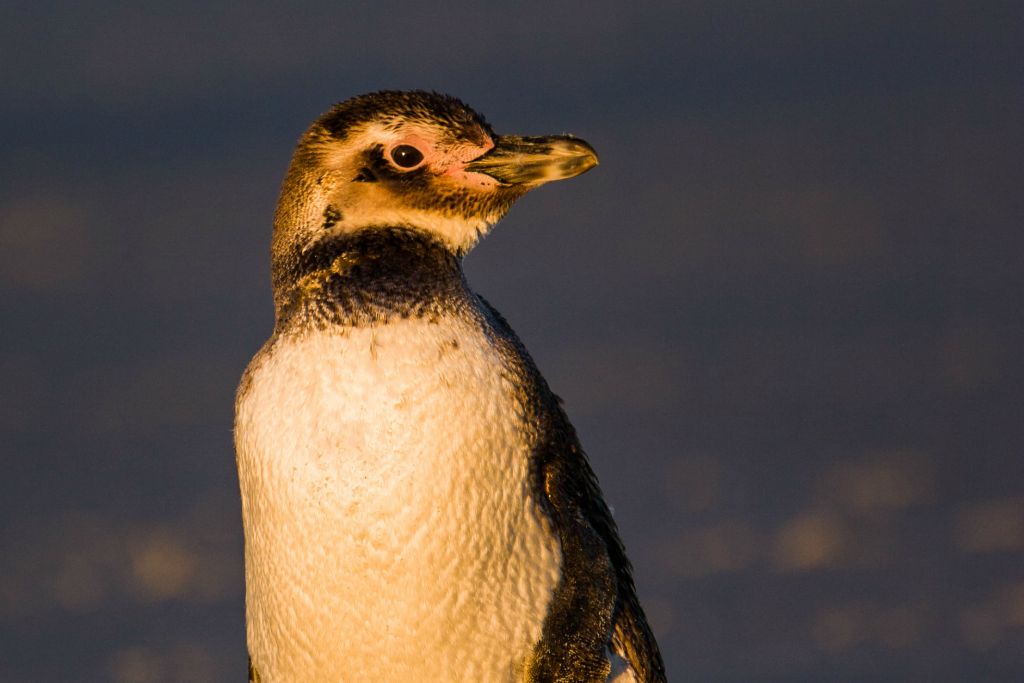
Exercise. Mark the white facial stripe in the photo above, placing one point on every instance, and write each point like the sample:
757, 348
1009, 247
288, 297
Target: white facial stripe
368, 204
459, 233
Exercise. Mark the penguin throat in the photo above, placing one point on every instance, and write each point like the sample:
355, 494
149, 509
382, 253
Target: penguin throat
371, 277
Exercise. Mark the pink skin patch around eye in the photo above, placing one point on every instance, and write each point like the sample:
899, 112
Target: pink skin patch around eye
462, 155
450, 161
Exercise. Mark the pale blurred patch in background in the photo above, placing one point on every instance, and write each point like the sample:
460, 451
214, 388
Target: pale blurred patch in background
784, 313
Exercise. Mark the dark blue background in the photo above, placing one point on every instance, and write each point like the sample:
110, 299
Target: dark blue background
785, 312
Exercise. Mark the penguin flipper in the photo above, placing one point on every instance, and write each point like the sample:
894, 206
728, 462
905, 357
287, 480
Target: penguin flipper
595, 619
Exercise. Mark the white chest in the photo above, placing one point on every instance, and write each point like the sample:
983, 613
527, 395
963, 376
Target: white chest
391, 532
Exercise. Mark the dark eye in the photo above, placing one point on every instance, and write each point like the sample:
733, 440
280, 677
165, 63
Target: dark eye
406, 156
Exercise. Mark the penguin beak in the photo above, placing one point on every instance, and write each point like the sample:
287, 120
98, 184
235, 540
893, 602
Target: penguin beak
534, 161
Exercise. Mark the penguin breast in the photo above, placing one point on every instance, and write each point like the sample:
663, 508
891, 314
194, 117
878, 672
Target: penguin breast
388, 507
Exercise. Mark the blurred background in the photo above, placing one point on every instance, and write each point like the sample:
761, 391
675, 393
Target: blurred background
785, 313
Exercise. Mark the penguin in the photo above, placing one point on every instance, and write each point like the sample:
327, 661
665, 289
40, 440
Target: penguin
416, 503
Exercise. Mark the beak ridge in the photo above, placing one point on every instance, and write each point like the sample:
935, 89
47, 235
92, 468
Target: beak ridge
534, 161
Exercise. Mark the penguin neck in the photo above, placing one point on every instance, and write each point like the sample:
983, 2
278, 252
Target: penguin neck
370, 277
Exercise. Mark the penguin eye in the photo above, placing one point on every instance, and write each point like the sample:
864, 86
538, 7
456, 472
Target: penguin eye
406, 156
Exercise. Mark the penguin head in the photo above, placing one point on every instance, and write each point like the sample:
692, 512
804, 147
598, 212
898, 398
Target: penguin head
415, 160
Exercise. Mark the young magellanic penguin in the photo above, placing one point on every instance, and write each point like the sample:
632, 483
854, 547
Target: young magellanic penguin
417, 506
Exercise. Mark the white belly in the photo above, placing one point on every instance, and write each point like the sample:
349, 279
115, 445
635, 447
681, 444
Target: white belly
391, 534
